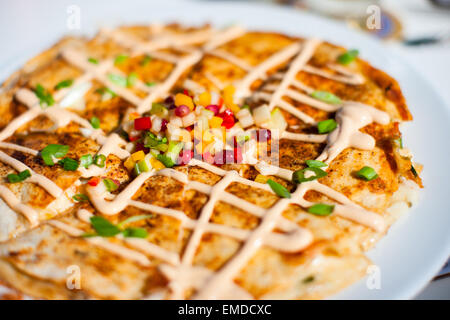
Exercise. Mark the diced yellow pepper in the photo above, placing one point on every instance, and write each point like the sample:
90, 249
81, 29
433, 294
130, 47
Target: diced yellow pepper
156, 164
261, 179
215, 122
133, 115
182, 99
138, 156
129, 164
207, 136
234, 107
204, 99
228, 93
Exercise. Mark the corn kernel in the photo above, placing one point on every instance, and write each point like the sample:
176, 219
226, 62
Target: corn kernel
129, 164
182, 99
156, 164
138, 156
261, 179
215, 122
204, 99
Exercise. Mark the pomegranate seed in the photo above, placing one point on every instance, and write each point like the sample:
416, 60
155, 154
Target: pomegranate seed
164, 123
185, 156
238, 154
182, 110
168, 100
207, 157
263, 135
214, 108
140, 146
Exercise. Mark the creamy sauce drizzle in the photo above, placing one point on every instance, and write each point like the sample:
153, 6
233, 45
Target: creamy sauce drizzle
351, 116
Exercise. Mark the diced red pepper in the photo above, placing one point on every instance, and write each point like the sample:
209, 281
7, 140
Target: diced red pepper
144, 123
94, 181
133, 138
228, 122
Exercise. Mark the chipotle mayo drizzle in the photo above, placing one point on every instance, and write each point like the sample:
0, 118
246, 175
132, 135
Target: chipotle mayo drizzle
351, 117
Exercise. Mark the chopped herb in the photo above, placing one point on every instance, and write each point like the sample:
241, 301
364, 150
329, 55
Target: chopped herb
69, 164
95, 122
110, 185
64, 84
118, 80
326, 126
99, 160
53, 151
315, 163
414, 172
400, 142
45, 97
86, 160
279, 189
131, 79
152, 141
80, 197
146, 60
103, 227
299, 175
93, 60
135, 233
134, 219
150, 84
367, 173
326, 96
120, 58
348, 57
308, 280
14, 178
321, 209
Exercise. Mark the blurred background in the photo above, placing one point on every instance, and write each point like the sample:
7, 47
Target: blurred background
417, 30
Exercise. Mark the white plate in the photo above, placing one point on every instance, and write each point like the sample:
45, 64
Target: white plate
417, 245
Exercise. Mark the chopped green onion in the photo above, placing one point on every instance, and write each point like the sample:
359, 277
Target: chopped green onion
134, 219
326, 126
120, 58
161, 147
159, 109
241, 139
69, 164
413, 170
137, 170
143, 167
245, 106
103, 227
348, 57
110, 185
53, 151
131, 79
146, 60
64, 84
99, 160
152, 141
167, 161
299, 175
315, 163
321, 209
400, 142
106, 91
326, 96
175, 147
367, 173
118, 80
45, 97
279, 189
135, 233
93, 60
86, 160
95, 122
14, 178
80, 197
150, 84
